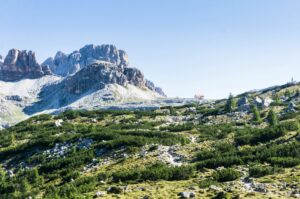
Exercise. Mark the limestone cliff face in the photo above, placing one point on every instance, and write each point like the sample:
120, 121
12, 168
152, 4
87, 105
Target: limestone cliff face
95, 64
104, 63
91, 77
67, 64
18, 65
96, 76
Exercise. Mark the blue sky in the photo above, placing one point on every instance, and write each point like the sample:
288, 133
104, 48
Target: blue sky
213, 46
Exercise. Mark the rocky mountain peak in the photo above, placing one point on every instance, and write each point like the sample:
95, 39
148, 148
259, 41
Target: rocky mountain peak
67, 64
21, 64
11, 57
116, 68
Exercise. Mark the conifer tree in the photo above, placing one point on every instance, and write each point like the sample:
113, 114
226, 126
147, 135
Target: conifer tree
276, 98
272, 118
256, 114
230, 104
24, 186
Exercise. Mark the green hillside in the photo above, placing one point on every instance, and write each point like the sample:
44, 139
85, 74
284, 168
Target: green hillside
246, 146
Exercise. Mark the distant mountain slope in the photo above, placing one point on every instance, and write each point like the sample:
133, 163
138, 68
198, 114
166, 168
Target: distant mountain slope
91, 81
97, 75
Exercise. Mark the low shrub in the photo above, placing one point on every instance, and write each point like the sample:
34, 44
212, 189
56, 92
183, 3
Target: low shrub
155, 172
226, 175
260, 171
284, 161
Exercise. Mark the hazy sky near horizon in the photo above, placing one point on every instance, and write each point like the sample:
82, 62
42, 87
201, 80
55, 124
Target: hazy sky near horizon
212, 46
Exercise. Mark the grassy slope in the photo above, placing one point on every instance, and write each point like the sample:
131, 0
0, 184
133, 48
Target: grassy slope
131, 133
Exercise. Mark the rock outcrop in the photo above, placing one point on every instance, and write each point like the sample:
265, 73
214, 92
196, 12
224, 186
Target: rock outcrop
152, 87
115, 61
243, 104
94, 77
21, 64
93, 82
63, 64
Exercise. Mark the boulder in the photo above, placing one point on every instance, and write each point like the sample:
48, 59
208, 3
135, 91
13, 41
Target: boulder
291, 107
185, 195
260, 188
215, 188
243, 104
258, 101
267, 102
99, 194
10, 173
58, 122
242, 101
115, 190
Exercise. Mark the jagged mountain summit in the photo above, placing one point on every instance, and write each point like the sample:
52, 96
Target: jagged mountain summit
68, 64
91, 77
65, 64
19, 65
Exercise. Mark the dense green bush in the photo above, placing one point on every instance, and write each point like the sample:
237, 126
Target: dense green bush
225, 175
256, 114
230, 104
220, 160
289, 126
260, 171
254, 136
72, 161
284, 161
284, 155
218, 131
155, 172
178, 128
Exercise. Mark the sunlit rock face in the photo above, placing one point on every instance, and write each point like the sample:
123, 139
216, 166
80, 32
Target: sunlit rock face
110, 65
18, 65
67, 64
94, 76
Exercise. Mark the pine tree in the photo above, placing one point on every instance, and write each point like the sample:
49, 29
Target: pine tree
256, 114
24, 186
36, 178
2, 175
272, 118
276, 98
230, 104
